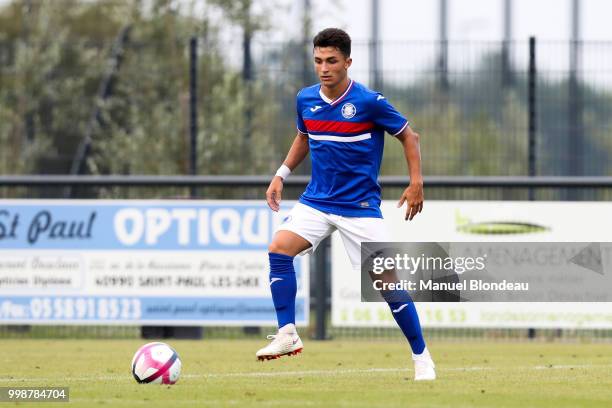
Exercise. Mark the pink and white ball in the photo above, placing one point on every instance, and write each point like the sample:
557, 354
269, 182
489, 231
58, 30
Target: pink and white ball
156, 363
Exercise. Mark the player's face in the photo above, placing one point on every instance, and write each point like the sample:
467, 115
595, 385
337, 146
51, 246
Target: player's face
331, 66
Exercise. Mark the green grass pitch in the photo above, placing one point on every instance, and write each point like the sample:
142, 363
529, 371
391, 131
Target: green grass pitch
335, 373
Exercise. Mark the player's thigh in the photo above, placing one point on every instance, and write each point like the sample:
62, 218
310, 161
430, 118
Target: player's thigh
356, 230
301, 232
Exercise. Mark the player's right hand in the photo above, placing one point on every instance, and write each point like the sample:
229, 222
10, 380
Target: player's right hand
273, 194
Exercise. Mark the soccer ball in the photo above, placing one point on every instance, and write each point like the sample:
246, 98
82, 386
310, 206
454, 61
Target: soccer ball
156, 363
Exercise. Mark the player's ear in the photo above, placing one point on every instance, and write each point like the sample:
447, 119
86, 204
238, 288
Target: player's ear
348, 62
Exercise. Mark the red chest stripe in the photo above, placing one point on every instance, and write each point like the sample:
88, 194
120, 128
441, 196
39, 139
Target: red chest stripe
337, 126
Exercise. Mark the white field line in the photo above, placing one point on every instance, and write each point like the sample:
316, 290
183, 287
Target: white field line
307, 373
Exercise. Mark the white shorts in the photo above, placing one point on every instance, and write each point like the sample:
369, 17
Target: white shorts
314, 226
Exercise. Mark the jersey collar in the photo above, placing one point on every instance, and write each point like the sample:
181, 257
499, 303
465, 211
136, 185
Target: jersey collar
337, 100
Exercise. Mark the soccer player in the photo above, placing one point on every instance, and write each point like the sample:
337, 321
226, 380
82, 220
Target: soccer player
342, 124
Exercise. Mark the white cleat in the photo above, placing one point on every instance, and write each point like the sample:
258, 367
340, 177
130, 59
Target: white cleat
285, 343
424, 367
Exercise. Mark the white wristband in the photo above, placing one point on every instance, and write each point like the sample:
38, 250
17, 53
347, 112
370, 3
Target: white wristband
283, 172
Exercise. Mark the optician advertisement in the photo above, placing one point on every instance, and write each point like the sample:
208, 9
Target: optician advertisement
140, 262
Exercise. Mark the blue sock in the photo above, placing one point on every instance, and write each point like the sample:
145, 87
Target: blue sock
405, 314
283, 287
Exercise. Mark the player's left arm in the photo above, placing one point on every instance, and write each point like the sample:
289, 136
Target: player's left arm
413, 194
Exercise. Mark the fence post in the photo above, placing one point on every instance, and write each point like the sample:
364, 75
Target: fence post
507, 75
575, 133
443, 46
193, 109
532, 102
375, 61
321, 263
531, 332
247, 75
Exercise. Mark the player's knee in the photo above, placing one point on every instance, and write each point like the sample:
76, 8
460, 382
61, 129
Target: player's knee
279, 248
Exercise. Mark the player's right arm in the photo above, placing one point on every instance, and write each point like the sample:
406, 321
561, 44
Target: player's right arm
298, 151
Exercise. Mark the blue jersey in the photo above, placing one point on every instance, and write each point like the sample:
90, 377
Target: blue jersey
346, 139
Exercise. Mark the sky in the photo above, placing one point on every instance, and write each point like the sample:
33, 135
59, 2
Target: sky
468, 19
416, 22
474, 21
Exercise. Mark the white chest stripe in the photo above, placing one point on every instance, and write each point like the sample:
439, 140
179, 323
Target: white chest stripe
343, 139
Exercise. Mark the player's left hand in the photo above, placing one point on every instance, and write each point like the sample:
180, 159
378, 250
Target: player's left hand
413, 195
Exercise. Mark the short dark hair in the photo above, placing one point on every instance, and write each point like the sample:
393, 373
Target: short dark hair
334, 37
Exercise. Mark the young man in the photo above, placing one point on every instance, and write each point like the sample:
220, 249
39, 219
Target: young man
342, 124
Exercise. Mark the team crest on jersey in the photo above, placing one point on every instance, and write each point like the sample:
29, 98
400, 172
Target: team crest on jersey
348, 110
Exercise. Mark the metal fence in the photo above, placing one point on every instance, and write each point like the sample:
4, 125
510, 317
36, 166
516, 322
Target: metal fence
215, 187
474, 115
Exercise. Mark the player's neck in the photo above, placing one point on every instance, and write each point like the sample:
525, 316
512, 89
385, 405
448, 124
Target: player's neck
335, 92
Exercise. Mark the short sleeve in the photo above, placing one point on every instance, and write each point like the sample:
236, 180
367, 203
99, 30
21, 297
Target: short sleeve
299, 121
387, 117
